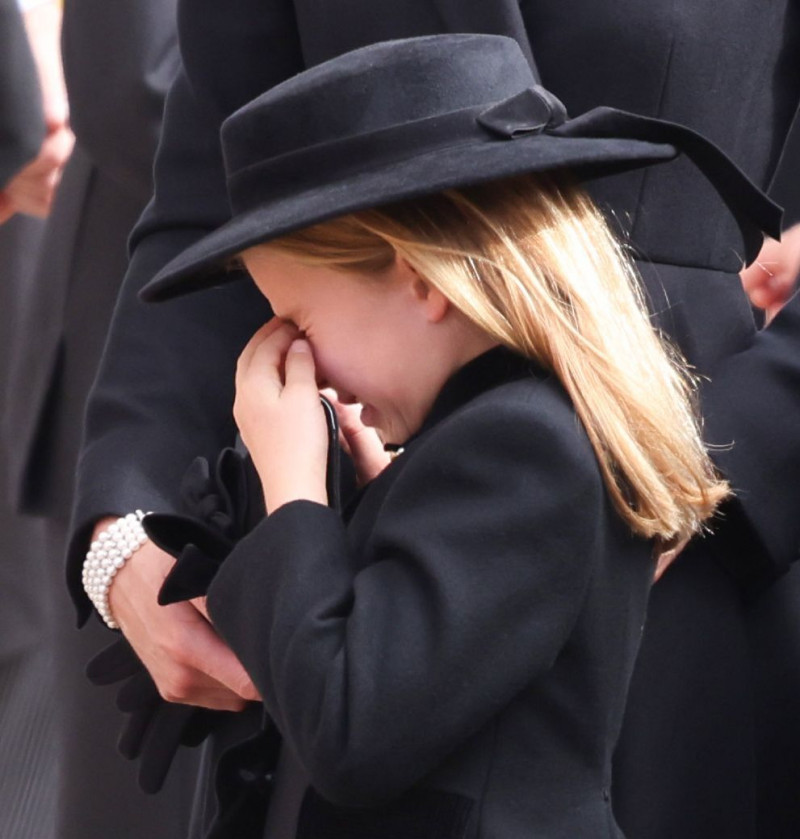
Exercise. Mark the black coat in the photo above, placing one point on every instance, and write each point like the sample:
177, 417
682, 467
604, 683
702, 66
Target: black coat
21, 133
27, 773
773, 620
119, 60
727, 70
457, 656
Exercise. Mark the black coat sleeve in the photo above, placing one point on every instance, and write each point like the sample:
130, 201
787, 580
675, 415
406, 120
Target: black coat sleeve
164, 390
785, 187
21, 119
752, 411
377, 663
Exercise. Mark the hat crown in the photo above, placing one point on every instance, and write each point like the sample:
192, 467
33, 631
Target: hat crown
375, 88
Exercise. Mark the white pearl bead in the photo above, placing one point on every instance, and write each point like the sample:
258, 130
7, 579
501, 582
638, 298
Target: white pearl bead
106, 555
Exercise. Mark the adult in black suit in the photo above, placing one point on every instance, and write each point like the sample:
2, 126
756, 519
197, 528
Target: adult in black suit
22, 130
27, 771
767, 375
119, 59
661, 59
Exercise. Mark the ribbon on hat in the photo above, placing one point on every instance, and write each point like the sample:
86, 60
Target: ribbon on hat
530, 112
537, 111
753, 210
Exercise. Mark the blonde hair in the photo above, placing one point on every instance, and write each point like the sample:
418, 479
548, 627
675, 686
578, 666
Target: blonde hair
531, 261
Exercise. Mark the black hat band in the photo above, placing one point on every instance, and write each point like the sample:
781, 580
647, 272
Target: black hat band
532, 111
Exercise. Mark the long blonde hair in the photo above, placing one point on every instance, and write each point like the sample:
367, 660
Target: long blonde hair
531, 261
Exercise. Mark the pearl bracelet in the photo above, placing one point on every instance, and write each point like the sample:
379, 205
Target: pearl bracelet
113, 547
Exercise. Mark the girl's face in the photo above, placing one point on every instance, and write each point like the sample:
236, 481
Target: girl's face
387, 342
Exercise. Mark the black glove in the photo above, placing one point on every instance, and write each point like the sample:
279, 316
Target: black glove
155, 729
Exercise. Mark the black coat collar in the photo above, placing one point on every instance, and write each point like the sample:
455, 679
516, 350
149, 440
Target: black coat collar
490, 369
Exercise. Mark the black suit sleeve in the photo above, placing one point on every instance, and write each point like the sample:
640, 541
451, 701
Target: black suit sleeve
21, 120
474, 574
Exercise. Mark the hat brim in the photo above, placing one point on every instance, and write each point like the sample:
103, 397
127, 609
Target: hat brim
198, 266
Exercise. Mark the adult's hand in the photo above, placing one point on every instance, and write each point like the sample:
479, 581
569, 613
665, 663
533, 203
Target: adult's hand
665, 557
32, 189
772, 278
187, 660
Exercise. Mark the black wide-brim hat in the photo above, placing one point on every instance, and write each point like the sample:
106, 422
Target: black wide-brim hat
402, 119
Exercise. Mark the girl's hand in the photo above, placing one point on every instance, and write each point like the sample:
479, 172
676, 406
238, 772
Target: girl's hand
280, 418
360, 441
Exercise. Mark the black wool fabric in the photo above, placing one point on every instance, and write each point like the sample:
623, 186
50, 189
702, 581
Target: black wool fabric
470, 631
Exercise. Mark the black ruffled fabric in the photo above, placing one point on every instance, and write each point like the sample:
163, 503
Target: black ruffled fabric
155, 729
221, 505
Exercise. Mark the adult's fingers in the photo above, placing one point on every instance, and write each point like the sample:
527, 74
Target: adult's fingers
230, 674
199, 603
665, 558
6, 208
217, 661
204, 671
187, 660
32, 189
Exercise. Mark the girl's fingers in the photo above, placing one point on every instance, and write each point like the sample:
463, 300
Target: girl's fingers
299, 365
266, 349
246, 355
362, 443
367, 452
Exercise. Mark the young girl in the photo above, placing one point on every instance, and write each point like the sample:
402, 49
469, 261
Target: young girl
450, 658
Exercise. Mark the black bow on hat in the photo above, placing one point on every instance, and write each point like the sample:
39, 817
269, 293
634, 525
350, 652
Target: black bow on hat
401, 119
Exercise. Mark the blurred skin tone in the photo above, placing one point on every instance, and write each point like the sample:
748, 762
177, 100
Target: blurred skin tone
772, 278
355, 330
32, 189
